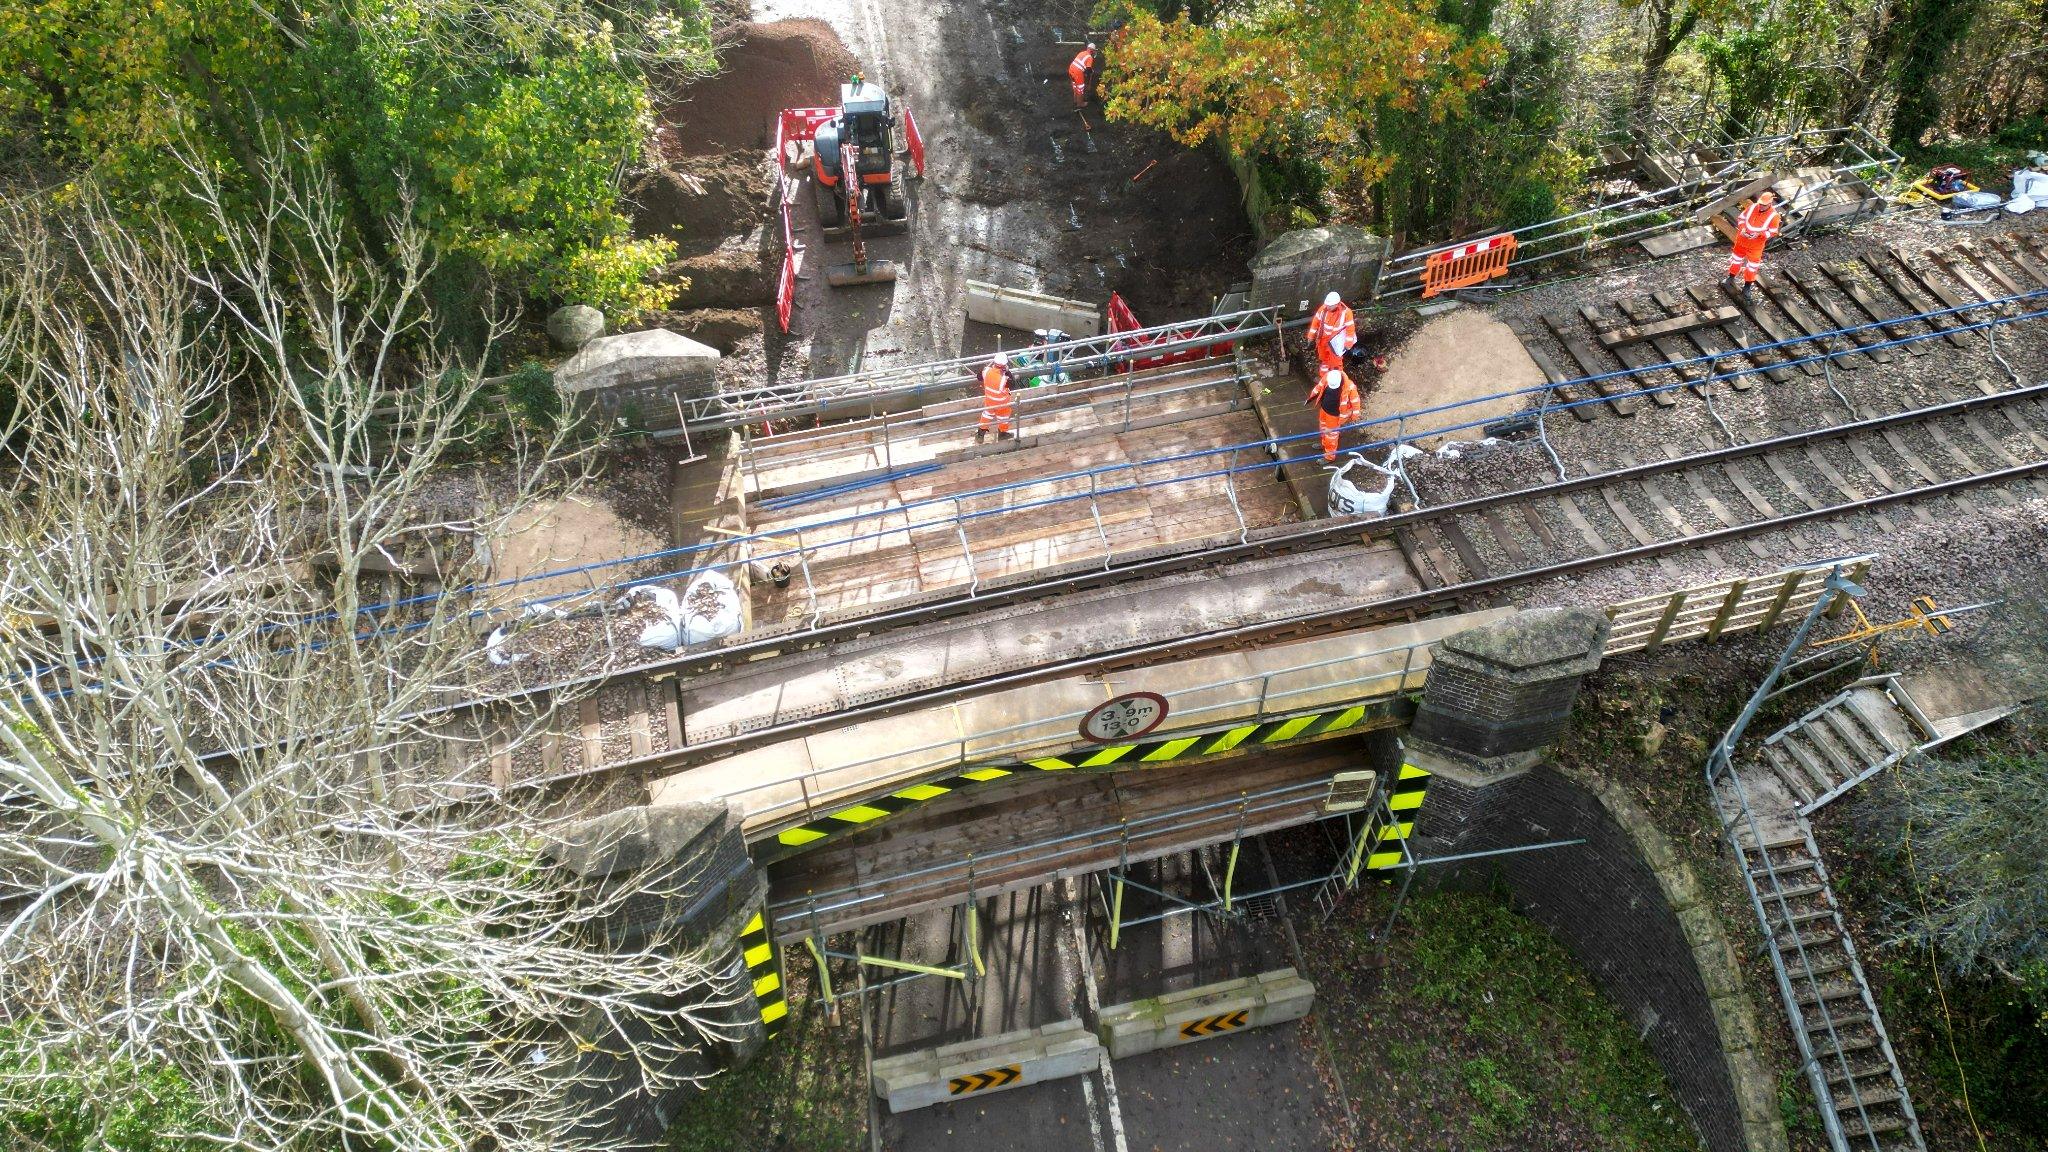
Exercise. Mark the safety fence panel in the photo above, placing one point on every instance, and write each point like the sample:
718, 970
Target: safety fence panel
1467, 264
1723, 608
1122, 319
915, 139
794, 128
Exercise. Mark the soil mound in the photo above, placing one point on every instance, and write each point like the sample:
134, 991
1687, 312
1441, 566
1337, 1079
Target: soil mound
700, 202
721, 280
784, 64
721, 328
1457, 356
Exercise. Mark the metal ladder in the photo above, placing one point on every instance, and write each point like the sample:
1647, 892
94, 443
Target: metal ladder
1841, 1038
1344, 877
1851, 737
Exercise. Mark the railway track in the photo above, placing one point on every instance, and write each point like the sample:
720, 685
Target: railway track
1847, 480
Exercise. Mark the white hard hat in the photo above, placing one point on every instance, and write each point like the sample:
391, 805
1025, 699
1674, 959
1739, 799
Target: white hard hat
999, 360
1091, 45
1332, 300
1333, 376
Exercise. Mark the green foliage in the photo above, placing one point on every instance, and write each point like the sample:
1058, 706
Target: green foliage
502, 130
1546, 1033
1930, 31
805, 1090
53, 1102
1976, 829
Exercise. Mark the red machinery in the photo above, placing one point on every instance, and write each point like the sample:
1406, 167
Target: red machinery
852, 148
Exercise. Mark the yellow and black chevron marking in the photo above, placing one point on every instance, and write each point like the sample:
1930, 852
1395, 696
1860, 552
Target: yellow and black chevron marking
1392, 824
1214, 1025
1126, 755
766, 970
984, 1079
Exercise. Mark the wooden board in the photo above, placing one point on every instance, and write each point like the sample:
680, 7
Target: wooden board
1734, 334
1646, 370
1587, 356
2021, 259
1672, 347
1677, 322
1949, 297
1566, 393
2006, 284
1787, 300
1758, 311
1907, 289
1709, 342
1864, 335
1846, 277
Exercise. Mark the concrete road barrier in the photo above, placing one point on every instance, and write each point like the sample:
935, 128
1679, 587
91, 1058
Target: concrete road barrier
1030, 311
1184, 1017
978, 1067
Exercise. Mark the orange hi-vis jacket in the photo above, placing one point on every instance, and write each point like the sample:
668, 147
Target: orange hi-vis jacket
995, 398
1078, 71
1760, 220
1330, 321
1337, 404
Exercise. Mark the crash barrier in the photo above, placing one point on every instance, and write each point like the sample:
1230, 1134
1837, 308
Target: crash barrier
793, 129
1851, 156
1203, 1013
914, 140
973, 1068
1030, 311
1123, 320
1467, 264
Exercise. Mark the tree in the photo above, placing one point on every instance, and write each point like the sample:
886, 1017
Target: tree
1670, 22
1930, 30
1977, 830
1298, 75
330, 938
503, 126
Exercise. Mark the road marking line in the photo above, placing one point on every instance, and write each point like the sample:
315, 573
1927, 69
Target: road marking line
1077, 922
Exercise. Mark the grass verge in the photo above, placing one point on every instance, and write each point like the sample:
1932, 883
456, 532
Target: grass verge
1476, 1030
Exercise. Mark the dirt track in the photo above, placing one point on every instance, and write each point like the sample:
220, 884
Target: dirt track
1011, 172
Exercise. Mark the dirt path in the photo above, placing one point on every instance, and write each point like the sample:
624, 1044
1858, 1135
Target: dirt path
1012, 172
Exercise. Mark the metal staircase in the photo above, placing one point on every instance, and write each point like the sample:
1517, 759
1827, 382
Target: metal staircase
1834, 1019
1763, 802
1843, 742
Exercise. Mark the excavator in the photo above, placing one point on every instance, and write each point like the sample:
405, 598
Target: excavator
857, 180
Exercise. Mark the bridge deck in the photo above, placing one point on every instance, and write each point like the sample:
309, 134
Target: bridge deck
921, 861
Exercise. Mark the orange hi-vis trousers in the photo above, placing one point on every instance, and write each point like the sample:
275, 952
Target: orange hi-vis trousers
1746, 259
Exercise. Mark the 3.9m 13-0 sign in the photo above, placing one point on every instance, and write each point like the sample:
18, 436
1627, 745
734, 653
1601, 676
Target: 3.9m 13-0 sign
1128, 716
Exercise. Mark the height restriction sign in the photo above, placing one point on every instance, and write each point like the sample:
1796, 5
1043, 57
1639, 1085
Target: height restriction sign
1130, 715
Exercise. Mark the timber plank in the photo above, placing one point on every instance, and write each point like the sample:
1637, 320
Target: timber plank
1462, 545
1411, 549
1506, 539
1568, 393
1708, 340
1949, 261
2007, 285
1845, 276
1864, 335
2019, 257
1644, 369
1671, 347
1787, 300
1677, 323
1758, 311
1736, 336
1583, 526
1587, 356
1906, 289
1949, 297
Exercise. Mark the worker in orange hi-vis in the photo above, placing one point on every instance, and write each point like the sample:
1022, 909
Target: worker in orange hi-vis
996, 401
1753, 229
1337, 404
1082, 73
1332, 331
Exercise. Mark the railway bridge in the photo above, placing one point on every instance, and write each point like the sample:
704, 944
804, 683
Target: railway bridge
998, 711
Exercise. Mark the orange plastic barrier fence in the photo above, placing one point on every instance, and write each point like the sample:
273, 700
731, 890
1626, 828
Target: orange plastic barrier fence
1467, 264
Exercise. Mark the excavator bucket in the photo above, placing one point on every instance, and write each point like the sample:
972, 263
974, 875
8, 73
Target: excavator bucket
864, 272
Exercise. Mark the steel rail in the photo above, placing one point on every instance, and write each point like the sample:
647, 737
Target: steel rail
1348, 618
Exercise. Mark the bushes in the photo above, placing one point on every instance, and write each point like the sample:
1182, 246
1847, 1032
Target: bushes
49, 1103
